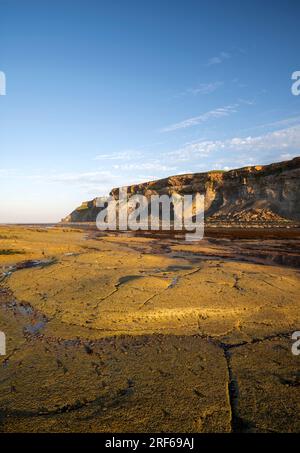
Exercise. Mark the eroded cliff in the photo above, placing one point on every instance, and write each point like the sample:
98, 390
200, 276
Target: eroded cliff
269, 193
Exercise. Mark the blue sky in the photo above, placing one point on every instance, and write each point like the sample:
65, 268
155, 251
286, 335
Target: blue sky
107, 93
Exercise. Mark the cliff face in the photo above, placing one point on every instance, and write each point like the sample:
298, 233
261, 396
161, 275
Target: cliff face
86, 212
269, 193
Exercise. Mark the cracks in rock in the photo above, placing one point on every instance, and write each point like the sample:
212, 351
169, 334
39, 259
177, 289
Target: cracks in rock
274, 336
146, 302
100, 403
108, 295
194, 271
237, 423
273, 286
128, 278
221, 344
120, 282
27, 265
174, 282
232, 393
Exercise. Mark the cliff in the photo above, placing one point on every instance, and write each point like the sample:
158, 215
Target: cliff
86, 212
269, 193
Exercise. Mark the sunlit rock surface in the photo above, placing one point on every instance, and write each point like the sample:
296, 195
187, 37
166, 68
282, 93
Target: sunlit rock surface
116, 333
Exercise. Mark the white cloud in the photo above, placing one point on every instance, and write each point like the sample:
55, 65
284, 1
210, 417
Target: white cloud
121, 155
190, 150
286, 142
203, 88
8, 172
281, 123
212, 114
83, 177
87, 182
287, 156
247, 101
218, 59
156, 166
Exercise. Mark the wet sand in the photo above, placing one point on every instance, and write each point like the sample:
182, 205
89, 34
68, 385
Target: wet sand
114, 332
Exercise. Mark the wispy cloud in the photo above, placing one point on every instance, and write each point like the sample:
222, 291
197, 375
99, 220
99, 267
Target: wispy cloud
284, 143
191, 151
281, 123
247, 101
7, 172
120, 155
88, 182
218, 59
146, 166
102, 181
85, 177
287, 156
203, 88
212, 114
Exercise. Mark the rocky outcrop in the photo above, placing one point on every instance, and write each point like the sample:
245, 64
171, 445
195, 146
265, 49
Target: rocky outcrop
269, 193
86, 212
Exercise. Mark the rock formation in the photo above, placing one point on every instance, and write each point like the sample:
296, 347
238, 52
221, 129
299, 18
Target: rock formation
258, 194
